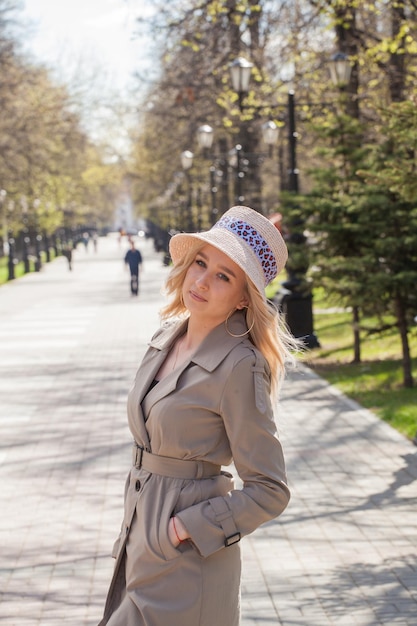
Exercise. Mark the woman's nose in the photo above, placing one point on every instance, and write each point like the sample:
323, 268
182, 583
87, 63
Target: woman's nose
202, 281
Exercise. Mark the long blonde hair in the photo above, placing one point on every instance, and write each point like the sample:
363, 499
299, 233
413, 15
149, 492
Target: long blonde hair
271, 336
268, 333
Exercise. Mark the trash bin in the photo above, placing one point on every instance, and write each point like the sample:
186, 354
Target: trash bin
297, 309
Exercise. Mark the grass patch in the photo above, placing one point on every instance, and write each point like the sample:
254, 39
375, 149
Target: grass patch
19, 268
376, 382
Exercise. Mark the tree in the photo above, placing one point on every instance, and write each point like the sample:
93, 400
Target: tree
207, 38
360, 223
392, 190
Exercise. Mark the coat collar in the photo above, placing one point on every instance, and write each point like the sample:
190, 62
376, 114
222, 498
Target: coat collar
214, 348
211, 352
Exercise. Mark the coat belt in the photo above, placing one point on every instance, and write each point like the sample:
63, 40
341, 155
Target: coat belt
174, 468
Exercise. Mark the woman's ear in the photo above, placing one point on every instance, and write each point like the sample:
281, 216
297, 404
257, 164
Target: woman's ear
243, 304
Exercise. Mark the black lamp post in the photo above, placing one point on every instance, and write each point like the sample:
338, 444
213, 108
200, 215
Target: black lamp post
11, 260
5, 229
218, 169
205, 136
340, 69
295, 299
38, 236
187, 162
26, 237
240, 72
270, 136
205, 142
213, 195
292, 144
9, 243
270, 133
26, 244
236, 160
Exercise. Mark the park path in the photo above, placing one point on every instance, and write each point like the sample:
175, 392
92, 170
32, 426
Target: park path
344, 552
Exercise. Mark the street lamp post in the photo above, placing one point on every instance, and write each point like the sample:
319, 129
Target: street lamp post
213, 195
236, 161
271, 135
219, 176
295, 298
270, 132
205, 141
292, 144
205, 136
26, 236
5, 229
187, 162
11, 261
9, 243
240, 72
340, 69
38, 236
26, 244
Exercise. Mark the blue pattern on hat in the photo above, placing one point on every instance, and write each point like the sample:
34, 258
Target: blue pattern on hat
255, 241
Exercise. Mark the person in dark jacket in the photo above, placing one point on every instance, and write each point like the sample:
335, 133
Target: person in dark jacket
133, 259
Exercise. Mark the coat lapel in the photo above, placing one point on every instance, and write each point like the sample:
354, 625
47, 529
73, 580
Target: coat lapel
209, 355
151, 363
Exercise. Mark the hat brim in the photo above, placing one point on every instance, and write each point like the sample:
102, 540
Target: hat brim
183, 243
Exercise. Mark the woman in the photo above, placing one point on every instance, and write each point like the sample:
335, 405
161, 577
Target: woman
202, 399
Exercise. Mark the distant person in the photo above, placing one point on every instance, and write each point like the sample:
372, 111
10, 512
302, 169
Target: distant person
133, 259
67, 252
86, 239
95, 241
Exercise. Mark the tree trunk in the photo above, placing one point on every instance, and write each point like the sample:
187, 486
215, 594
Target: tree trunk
403, 328
347, 38
396, 67
356, 335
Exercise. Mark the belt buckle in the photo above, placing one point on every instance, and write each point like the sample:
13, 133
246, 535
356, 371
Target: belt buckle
140, 449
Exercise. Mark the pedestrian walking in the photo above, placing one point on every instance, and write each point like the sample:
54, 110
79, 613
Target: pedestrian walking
67, 252
202, 398
86, 240
133, 259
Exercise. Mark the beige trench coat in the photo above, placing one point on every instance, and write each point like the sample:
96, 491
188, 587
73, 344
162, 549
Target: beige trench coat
215, 407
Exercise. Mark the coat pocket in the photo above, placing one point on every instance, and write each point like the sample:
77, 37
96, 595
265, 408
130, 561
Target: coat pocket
154, 508
167, 511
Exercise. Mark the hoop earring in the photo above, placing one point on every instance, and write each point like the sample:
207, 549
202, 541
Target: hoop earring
241, 334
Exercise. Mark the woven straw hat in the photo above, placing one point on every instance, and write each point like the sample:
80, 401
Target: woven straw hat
247, 237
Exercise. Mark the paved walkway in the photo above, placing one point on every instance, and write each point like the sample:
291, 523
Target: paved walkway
344, 552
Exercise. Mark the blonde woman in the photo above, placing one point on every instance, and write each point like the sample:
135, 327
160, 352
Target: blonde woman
202, 399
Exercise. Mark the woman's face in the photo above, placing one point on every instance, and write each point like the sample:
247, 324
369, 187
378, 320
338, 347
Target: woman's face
214, 286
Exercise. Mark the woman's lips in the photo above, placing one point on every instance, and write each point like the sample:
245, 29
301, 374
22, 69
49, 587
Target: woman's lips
195, 296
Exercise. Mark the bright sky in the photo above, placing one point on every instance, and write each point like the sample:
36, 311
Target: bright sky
97, 32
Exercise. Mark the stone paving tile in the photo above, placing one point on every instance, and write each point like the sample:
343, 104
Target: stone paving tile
344, 552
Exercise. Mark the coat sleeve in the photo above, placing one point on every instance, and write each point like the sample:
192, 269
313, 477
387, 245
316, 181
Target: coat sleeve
248, 418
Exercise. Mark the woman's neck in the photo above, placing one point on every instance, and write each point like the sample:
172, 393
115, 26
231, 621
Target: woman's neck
196, 333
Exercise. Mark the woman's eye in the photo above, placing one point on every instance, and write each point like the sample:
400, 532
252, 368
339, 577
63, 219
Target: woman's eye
224, 277
200, 262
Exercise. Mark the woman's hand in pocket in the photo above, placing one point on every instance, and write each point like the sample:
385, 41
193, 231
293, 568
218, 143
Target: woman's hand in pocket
177, 532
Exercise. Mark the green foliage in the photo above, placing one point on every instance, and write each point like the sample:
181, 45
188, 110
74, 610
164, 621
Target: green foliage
47, 156
376, 382
363, 216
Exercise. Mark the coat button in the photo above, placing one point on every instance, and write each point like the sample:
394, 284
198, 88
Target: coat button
137, 485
